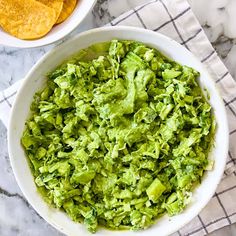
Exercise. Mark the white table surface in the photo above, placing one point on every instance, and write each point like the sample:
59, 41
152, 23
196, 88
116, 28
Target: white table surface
17, 218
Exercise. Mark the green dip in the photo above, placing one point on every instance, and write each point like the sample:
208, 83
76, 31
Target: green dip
119, 136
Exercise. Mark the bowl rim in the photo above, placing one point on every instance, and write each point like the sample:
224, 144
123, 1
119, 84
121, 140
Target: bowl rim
44, 41
104, 29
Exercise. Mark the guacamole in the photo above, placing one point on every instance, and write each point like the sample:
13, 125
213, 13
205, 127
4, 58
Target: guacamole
119, 136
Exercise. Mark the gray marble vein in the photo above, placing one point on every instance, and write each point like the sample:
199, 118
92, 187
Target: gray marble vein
16, 216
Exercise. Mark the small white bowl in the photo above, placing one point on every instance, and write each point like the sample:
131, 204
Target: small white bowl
58, 32
36, 79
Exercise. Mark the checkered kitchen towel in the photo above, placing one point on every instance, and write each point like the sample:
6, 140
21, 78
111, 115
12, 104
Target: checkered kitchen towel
176, 20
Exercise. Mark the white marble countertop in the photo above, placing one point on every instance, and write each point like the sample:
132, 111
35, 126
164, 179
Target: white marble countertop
16, 216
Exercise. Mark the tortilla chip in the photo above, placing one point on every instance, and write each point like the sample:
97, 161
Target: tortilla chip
57, 5
68, 8
26, 19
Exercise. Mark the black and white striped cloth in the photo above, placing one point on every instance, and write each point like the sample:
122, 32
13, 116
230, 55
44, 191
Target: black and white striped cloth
176, 20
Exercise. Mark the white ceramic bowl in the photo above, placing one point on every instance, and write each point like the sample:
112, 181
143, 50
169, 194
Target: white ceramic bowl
59, 31
36, 79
